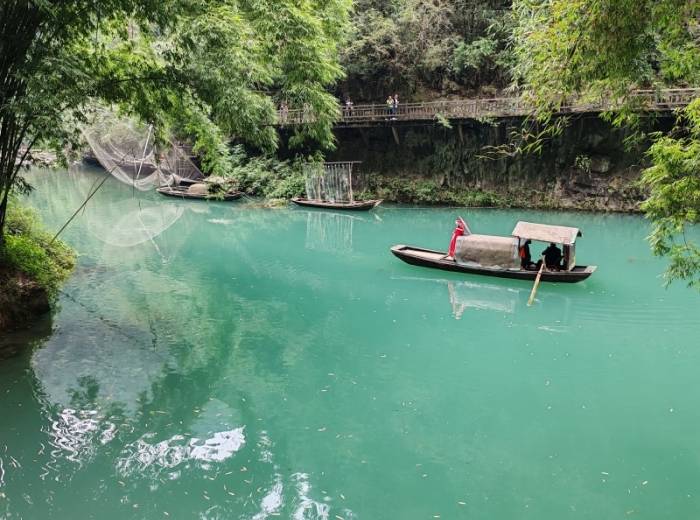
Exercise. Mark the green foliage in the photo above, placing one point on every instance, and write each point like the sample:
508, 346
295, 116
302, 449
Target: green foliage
583, 162
443, 121
427, 192
411, 45
470, 57
267, 176
489, 58
29, 249
674, 203
602, 50
202, 69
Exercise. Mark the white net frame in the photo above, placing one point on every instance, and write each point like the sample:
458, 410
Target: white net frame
329, 181
127, 149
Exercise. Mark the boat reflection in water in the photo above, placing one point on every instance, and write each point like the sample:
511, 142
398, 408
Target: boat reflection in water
329, 232
467, 296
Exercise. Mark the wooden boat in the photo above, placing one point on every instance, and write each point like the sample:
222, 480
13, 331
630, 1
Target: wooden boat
184, 192
498, 256
437, 260
356, 205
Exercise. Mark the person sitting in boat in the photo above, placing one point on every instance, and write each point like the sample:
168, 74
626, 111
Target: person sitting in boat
525, 256
552, 257
461, 229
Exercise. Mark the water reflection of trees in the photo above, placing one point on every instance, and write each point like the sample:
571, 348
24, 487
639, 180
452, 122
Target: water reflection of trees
175, 357
158, 340
156, 365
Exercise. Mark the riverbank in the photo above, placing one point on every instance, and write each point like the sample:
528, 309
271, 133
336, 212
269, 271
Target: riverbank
590, 166
22, 299
32, 269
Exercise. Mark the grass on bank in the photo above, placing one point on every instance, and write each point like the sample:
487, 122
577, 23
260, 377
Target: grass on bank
28, 248
427, 192
282, 180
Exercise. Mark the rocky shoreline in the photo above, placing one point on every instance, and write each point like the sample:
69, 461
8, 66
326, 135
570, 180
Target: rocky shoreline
22, 300
38, 159
589, 166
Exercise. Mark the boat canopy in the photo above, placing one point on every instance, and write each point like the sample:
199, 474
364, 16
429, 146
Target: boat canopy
545, 233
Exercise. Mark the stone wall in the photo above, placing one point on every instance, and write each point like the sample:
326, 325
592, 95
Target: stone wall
586, 167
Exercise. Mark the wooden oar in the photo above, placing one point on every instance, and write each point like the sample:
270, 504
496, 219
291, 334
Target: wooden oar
537, 283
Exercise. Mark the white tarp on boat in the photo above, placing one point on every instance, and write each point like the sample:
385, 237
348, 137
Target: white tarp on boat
488, 251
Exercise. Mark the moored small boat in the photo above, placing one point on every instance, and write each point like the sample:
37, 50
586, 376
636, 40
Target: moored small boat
356, 205
184, 192
501, 256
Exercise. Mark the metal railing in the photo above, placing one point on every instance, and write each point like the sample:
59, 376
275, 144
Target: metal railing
650, 100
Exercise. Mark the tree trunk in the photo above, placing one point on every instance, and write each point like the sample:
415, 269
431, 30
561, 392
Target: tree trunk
3, 213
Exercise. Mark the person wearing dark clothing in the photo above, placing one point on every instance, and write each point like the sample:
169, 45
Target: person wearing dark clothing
525, 256
552, 257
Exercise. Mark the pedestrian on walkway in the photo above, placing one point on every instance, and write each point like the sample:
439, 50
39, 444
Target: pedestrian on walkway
347, 108
284, 112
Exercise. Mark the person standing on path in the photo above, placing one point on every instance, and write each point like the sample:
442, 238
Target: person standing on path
389, 106
395, 105
284, 112
347, 109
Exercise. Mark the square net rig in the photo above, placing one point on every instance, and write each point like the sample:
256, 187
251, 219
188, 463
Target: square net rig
329, 181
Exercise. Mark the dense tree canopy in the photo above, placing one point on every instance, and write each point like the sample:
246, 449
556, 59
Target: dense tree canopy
579, 47
594, 48
423, 49
202, 68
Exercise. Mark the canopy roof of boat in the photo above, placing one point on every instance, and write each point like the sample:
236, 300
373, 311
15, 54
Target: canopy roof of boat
545, 233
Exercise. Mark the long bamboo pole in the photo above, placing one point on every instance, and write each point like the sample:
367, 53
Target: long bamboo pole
536, 284
92, 194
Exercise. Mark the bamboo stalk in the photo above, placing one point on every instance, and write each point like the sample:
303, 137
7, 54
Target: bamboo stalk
92, 194
536, 284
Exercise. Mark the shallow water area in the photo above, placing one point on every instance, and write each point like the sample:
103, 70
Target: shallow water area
219, 360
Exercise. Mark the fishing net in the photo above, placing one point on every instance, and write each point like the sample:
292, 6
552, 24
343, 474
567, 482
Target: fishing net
127, 149
329, 181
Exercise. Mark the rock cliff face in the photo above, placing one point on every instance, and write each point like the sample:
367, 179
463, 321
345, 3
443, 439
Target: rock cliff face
586, 167
21, 300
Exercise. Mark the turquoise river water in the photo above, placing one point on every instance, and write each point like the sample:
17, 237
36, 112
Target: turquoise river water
226, 361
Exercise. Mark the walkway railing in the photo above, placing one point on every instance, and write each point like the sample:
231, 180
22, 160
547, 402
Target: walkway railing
651, 100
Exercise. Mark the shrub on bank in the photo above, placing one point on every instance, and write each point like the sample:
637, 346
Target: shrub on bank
426, 191
29, 250
271, 178
267, 176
